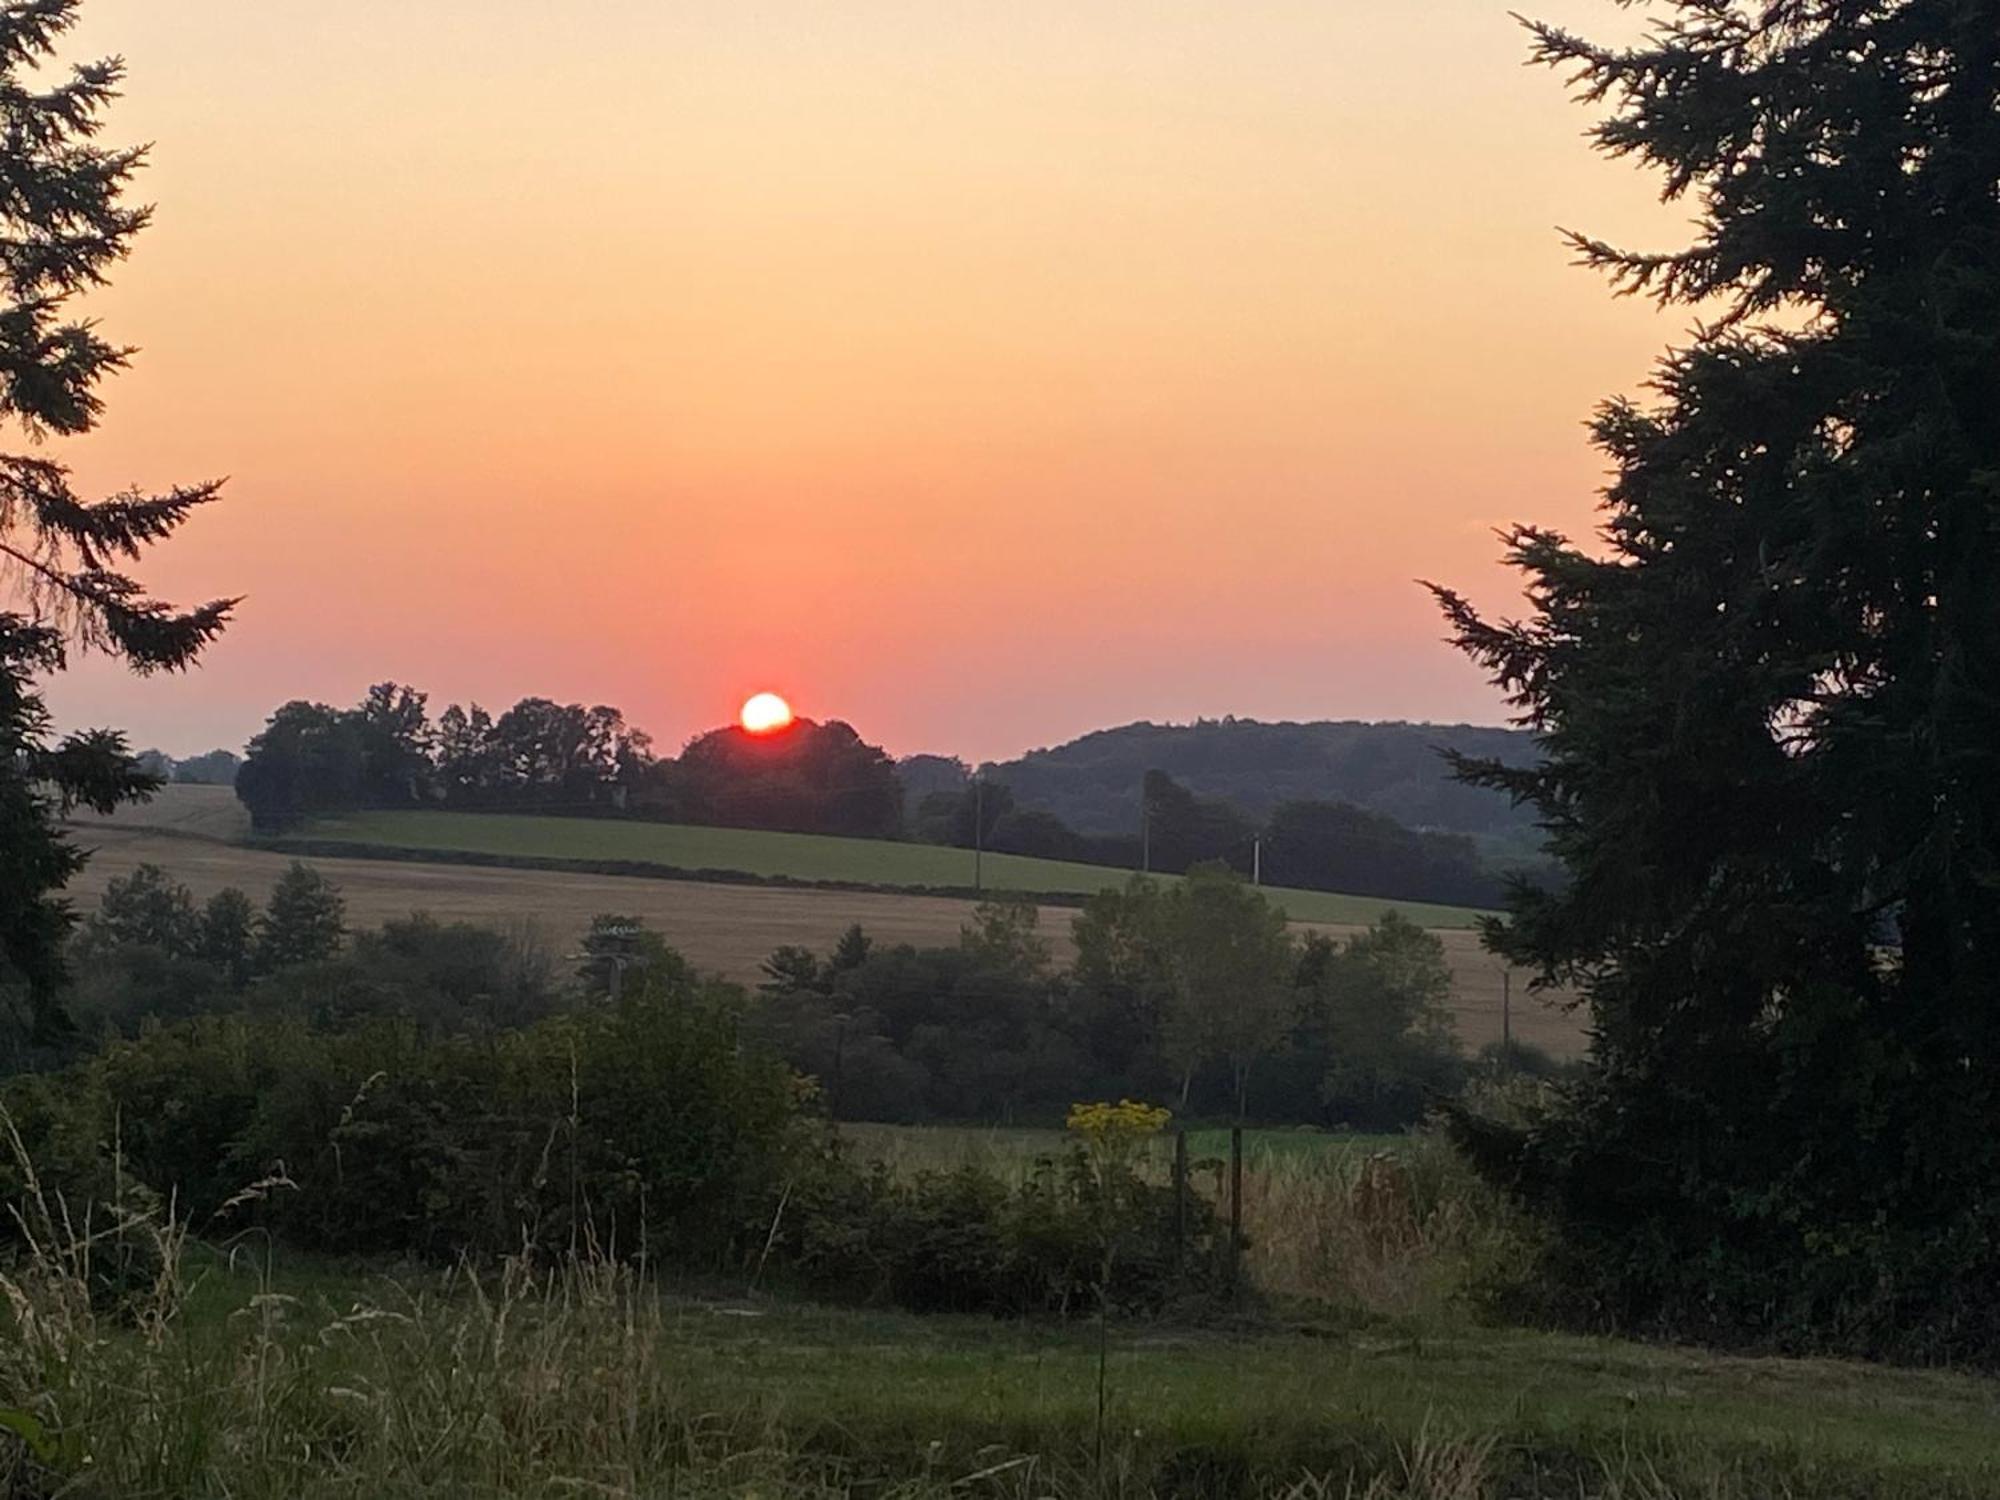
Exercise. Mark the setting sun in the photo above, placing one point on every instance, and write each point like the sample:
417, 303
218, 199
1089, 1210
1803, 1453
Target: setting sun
766, 712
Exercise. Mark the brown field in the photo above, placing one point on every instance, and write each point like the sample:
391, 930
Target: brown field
728, 929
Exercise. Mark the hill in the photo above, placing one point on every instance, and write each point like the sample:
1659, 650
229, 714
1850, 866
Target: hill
1395, 769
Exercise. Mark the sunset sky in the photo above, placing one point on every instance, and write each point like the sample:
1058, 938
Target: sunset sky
979, 373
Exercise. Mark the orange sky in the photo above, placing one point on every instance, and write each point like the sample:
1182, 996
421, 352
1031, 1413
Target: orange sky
982, 374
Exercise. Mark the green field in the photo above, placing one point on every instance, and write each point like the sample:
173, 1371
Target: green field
789, 856
304, 1379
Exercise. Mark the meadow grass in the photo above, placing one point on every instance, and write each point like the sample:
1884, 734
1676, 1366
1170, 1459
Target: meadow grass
583, 1379
792, 856
255, 1373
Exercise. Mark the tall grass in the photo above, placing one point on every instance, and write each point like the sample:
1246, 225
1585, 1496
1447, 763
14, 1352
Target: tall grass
133, 1364
1373, 1226
534, 1381
575, 1380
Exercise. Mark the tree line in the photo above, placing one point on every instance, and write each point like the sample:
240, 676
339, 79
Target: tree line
1303, 843
1193, 993
312, 760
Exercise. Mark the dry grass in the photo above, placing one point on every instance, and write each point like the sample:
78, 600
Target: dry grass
1378, 1226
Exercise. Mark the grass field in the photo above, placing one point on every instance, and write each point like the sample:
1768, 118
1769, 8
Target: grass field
315, 1380
796, 856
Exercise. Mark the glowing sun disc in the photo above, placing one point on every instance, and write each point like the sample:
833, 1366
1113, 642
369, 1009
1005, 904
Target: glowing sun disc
766, 712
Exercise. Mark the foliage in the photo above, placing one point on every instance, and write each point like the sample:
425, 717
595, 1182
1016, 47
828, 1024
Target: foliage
1229, 955
213, 768
147, 907
1307, 845
306, 762
65, 223
304, 921
1373, 1022
1194, 987
1183, 830
447, 978
641, 1125
806, 778
227, 934
617, 946
1335, 846
1112, 1132
1768, 699
313, 762
970, 1240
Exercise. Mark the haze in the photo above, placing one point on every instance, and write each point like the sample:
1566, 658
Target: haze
978, 374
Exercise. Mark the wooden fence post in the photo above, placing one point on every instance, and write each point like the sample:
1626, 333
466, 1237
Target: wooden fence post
1235, 1204
1180, 1201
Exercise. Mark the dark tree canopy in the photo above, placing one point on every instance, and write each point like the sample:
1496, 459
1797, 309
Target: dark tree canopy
807, 778
1335, 846
64, 222
307, 761
1769, 694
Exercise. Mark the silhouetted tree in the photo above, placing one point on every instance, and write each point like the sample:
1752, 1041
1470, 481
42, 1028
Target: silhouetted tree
546, 754
809, 778
212, 768
148, 908
394, 732
227, 933
1186, 830
1335, 846
1372, 1022
303, 923
1769, 695
307, 762
63, 223
1230, 961
977, 812
467, 759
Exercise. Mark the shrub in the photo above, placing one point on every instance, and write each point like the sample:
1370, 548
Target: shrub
646, 1125
969, 1241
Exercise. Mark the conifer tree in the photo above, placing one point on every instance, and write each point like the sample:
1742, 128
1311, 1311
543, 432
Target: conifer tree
64, 221
1769, 695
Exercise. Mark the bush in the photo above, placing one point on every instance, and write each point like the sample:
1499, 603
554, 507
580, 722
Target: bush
967, 1241
642, 1126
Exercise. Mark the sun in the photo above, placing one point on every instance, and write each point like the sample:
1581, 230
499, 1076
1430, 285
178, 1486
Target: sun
766, 713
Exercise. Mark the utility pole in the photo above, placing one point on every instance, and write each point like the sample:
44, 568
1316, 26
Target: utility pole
1507, 1016
1145, 835
979, 833
1257, 860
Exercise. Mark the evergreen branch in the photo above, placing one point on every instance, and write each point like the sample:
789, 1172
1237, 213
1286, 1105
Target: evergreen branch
112, 610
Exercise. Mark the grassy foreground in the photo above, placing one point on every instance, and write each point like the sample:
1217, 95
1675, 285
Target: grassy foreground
687, 849
1356, 1372
585, 1381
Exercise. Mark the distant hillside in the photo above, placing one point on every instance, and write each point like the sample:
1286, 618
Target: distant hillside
1093, 783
